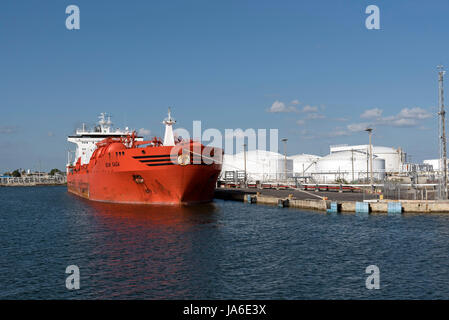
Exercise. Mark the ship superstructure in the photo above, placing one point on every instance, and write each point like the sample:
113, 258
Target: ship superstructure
86, 139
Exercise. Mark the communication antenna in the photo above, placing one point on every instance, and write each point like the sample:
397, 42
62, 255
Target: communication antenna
442, 135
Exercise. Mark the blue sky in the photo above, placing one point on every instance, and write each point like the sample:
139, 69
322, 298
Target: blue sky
225, 63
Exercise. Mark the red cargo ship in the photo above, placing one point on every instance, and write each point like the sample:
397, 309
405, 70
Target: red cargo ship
118, 166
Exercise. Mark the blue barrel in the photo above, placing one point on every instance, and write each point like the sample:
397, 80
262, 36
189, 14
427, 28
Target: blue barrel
283, 203
333, 208
394, 208
250, 198
362, 207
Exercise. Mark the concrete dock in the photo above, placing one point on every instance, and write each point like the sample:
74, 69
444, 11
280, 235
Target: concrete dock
328, 201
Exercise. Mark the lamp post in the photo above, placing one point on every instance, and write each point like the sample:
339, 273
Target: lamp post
285, 157
370, 132
352, 164
244, 160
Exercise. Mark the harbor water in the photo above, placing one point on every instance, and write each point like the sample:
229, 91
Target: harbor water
223, 250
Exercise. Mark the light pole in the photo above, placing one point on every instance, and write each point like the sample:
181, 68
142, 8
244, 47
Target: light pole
285, 157
370, 132
352, 164
244, 160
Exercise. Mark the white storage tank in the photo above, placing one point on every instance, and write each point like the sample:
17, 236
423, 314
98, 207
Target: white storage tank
260, 165
348, 166
435, 163
394, 158
304, 164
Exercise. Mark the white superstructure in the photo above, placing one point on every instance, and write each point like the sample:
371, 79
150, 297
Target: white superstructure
86, 139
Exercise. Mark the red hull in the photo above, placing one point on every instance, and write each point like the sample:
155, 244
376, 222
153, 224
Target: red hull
142, 175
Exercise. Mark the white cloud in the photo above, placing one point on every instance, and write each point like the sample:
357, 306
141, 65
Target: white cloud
300, 122
313, 116
403, 122
144, 132
279, 106
295, 102
309, 109
414, 113
371, 113
407, 117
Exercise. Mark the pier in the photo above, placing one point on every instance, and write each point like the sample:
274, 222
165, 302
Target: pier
331, 201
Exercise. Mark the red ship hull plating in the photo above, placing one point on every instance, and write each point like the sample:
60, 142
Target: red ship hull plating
142, 176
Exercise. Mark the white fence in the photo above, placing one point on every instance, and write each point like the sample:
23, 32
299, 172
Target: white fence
32, 180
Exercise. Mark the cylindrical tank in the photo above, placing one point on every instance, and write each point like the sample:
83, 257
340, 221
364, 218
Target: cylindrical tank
348, 166
394, 158
260, 165
304, 164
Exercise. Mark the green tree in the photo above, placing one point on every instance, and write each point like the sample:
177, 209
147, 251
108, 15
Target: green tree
55, 171
16, 174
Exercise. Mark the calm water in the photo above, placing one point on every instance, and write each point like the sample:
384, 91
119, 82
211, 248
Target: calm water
223, 250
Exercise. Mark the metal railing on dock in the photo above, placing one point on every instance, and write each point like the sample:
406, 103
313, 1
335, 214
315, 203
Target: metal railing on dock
33, 180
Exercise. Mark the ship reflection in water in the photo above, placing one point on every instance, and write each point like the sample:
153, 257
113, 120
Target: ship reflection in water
178, 216
150, 251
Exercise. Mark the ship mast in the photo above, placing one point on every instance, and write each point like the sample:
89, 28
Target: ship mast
105, 124
169, 138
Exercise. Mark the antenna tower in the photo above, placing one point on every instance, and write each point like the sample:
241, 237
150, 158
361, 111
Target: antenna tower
442, 135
